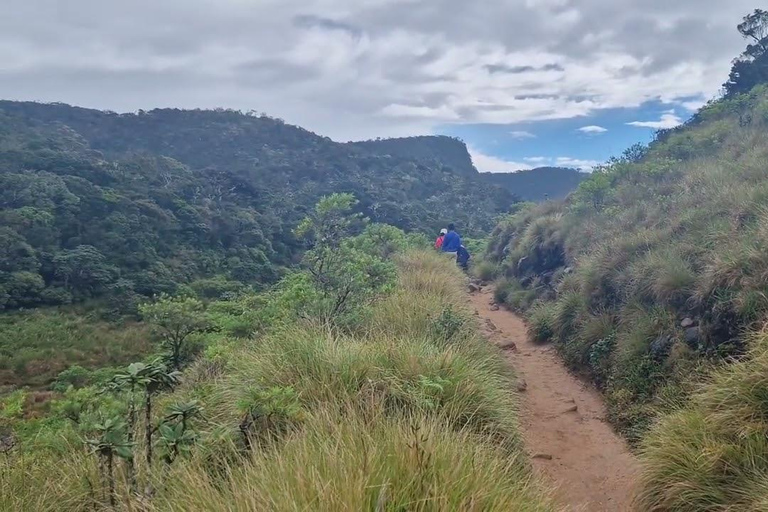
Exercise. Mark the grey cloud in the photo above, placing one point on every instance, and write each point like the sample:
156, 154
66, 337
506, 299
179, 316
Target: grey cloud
536, 96
312, 21
263, 72
334, 64
502, 68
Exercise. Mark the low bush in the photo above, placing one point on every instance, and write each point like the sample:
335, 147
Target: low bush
486, 270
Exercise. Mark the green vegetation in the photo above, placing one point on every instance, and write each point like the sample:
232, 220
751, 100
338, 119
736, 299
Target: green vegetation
711, 455
391, 402
35, 347
751, 68
650, 279
101, 213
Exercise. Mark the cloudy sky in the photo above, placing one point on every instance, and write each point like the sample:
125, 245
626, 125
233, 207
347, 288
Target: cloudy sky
523, 82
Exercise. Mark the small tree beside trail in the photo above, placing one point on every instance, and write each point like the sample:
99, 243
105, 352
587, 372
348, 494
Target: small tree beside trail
175, 319
344, 274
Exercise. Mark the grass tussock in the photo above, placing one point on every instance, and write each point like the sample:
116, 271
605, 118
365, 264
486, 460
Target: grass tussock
345, 463
711, 455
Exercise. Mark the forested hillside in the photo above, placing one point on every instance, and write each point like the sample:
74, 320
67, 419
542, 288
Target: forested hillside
538, 184
100, 204
439, 151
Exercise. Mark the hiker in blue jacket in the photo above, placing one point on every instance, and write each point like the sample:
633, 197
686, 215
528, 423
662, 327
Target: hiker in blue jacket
451, 241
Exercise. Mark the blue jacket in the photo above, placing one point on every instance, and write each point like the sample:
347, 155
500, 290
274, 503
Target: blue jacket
451, 242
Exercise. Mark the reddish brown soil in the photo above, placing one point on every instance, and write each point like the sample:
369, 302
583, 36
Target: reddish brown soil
563, 418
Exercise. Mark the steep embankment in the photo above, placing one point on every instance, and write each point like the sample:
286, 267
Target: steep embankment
563, 421
649, 276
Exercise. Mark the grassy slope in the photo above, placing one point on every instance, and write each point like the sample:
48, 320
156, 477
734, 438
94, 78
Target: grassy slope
649, 245
712, 455
411, 411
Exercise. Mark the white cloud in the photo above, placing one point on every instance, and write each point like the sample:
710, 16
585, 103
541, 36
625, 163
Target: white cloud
561, 161
442, 113
521, 134
668, 120
693, 106
592, 129
488, 163
584, 165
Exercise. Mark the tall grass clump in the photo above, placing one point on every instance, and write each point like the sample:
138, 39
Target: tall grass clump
711, 455
486, 270
541, 320
402, 413
347, 463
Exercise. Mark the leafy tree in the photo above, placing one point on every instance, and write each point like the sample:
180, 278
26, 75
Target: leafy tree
84, 270
755, 27
595, 190
175, 318
331, 221
15, 253
343, 274
751, 68
381, 240
20, 289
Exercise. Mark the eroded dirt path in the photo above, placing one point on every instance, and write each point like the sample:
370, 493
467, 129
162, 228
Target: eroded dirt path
563, 424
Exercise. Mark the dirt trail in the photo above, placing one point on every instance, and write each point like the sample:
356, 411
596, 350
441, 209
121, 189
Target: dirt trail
590, 467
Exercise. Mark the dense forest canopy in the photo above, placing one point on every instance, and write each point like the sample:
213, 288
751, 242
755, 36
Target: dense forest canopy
127, 205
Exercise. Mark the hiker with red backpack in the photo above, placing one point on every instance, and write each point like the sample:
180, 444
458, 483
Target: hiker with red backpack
440, 238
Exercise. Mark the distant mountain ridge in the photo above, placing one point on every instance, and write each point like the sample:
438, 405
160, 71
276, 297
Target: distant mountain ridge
538, 184
449, 152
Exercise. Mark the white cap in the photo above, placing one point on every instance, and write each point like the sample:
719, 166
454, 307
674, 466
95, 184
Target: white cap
443, 231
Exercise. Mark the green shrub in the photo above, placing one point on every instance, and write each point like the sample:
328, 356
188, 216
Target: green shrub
486, 270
